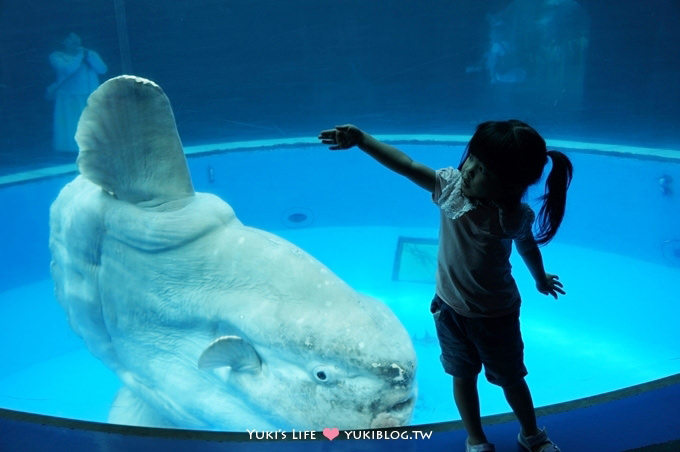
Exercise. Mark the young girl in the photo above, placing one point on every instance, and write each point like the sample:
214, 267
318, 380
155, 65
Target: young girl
476, 306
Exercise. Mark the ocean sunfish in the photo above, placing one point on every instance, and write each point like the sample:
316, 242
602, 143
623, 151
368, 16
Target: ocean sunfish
209, 324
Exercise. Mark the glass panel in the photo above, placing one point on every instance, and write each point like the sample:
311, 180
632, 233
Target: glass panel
258, 79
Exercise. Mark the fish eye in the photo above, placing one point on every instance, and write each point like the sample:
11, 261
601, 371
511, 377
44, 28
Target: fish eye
323, 374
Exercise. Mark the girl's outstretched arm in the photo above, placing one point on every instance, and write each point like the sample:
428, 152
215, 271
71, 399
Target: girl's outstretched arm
347, 136
546, 283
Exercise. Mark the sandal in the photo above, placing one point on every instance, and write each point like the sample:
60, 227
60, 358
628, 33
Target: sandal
537, 443
484, 447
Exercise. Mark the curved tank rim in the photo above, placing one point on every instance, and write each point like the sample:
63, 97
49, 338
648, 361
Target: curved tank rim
614, 150
221, 436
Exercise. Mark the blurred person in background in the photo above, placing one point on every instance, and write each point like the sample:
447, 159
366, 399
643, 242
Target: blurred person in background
77, 70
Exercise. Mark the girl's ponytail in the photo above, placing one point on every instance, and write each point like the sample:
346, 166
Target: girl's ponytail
555, 197
517, 154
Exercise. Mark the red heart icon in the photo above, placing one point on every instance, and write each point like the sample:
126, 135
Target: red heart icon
331, 433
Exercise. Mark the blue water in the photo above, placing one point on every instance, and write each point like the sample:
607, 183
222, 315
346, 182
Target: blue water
600, 337
614, 253
232, 73
573, 69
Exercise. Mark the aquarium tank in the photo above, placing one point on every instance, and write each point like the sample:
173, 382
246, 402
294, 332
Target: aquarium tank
186, 265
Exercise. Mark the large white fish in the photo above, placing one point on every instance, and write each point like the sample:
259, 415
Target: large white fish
209, 323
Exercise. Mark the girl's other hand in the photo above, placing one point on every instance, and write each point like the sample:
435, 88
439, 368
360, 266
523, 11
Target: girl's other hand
551, 286
342, 137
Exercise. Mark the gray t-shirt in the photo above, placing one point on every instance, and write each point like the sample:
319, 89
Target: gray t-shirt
475, 241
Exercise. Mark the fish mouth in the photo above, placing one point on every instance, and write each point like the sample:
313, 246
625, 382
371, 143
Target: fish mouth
396, 415
404, 405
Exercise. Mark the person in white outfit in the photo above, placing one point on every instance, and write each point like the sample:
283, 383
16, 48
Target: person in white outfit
77, 70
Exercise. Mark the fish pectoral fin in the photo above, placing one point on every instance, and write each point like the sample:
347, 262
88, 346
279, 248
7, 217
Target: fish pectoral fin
231, 351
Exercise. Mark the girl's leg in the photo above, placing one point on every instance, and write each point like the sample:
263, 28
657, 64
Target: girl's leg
519, 399
467, 400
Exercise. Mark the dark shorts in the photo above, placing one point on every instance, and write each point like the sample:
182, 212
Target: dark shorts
468, 343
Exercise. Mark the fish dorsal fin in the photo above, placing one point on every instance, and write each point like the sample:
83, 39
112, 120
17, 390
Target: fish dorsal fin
129, 144
230, 351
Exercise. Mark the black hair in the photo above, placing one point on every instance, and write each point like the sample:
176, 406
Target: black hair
517, 154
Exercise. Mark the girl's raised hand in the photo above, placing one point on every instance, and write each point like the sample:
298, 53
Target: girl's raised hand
342, 137
551, 286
